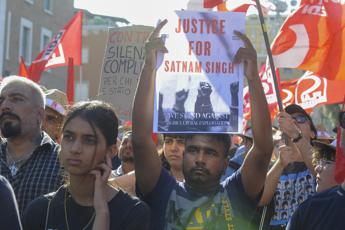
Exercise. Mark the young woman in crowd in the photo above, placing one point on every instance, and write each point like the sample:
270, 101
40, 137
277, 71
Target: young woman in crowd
87, 201
172, 154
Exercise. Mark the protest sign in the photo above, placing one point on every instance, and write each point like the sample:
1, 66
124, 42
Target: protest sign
123, 61
198, 87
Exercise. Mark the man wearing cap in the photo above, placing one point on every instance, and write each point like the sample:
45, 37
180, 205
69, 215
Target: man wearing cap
56, 102
324, 210
324, 163
293, 166
28, 156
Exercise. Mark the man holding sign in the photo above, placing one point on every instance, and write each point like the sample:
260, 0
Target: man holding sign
190, 84
201, 201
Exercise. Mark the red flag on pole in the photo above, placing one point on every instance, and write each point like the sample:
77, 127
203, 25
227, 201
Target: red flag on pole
211, 3
310, 91
269, 89
312, 39
240, 6
70, 81
65, 44
22, 71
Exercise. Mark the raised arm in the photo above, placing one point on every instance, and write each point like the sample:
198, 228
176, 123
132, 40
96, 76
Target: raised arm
286, 156
147, 162
303, 146
256, 163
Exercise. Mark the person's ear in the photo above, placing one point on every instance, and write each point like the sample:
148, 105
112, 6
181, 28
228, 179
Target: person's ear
40, 115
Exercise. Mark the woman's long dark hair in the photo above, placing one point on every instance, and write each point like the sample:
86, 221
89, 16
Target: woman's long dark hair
98, 114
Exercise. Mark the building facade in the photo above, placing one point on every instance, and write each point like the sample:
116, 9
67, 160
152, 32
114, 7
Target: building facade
28, 26
95, 37
2, 31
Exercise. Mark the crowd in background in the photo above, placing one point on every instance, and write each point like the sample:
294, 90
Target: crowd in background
78, 167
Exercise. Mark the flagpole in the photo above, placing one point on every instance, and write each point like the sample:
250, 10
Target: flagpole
269, 53
80, 79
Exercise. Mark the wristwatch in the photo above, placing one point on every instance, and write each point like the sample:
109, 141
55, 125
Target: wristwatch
299, 137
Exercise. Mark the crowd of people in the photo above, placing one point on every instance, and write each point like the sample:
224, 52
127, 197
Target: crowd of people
65, 167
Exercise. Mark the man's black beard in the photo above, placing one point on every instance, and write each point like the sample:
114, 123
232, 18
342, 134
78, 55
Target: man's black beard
9, 130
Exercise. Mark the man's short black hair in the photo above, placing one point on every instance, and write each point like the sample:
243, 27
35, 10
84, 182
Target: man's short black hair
224, 138
174, 135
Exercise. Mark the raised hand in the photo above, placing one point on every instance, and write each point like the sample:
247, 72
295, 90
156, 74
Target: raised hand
286, 155
155, 43
287, 125
180, 98
234, 87
248, 56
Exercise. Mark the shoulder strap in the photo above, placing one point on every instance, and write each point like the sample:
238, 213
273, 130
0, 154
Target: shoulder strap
47, 215
50, 199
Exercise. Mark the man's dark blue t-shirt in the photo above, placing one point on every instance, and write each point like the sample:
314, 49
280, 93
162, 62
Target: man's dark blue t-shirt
9, 215
175, 206
321, 211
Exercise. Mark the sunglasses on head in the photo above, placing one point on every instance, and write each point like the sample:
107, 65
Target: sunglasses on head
342, 119
300, 118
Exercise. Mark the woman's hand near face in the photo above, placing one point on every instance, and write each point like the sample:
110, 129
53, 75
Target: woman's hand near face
100, 197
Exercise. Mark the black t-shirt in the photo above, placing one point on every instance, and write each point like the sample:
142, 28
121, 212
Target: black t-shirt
321, 211
9, 215
126, 213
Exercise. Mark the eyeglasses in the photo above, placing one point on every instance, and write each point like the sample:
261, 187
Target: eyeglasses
342, 119
322, 162
300, 118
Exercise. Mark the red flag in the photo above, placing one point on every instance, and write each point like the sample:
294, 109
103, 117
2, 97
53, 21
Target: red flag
241, 6
269, 89
307, 91
65, 44
211, 3
313, 39
340, 154
22, 71
310, 91
70, 81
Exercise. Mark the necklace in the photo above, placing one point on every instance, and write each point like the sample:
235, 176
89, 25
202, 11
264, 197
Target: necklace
66, 218
14, 164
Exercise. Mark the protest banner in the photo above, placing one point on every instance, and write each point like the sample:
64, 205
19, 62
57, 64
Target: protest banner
123, 61
198, 87
308, 91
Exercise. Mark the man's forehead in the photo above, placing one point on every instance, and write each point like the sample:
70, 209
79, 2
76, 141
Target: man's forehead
15, 88
52, 112
202, 138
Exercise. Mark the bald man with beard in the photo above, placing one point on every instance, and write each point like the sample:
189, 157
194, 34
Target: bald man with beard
28, 156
